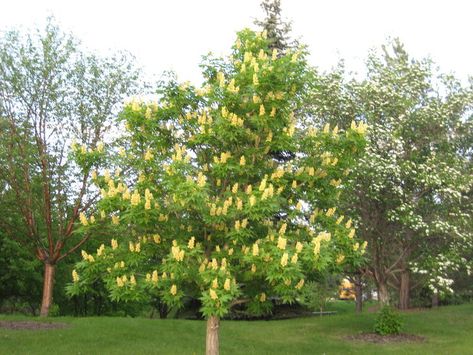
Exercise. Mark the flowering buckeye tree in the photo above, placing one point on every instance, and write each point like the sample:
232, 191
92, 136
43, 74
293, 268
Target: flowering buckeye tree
223, 195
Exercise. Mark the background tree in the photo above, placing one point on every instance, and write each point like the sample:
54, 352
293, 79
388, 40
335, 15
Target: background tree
209, 210
51, 94
409, 188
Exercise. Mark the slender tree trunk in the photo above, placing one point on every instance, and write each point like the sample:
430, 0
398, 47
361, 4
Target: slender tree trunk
48, 285
212, 344
383, 294
435, 300
404, 297
358, 294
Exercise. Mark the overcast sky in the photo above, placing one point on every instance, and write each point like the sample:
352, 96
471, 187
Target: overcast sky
173, 34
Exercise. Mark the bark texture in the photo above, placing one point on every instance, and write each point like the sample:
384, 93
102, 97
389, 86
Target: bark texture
404, 294
212, 343
48, 286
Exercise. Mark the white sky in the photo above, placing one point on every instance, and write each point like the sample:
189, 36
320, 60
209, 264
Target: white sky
173, 34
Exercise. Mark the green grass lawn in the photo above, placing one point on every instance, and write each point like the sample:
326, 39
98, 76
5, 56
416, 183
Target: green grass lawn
448, 330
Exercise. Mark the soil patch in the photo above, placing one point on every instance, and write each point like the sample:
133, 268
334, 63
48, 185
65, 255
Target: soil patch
29, 325
385, 339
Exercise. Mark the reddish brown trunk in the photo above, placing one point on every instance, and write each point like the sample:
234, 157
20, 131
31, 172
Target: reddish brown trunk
212, 344
48, 284
383, 294
358, 294
404, 297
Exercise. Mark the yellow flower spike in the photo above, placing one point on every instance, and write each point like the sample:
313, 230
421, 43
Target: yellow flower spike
299, 206
340, 258
154, 277
213, 294
348, 224
356, 246
249, 189
131, 247
340, 219
282, 243
83, 219
227, 284
191, 243
132, 280
221, 79
173, 290
244, 223
294, 259
262, 297
148, 155
114, 244
235, 188
255, 249
115, 220
273, 112
282, 230
75, 276
264, 34
284, 259
238, 43
352, 233
252, 200
122, 264
326, 128
120, 282
253, 268
255, 79
274, 55
215, 283
214, 264
242, 160
300, 284
247, 57
299, 247
262, 111
135, 198
93, 175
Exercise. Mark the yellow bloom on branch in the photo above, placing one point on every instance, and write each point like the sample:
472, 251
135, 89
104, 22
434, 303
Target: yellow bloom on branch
173, 290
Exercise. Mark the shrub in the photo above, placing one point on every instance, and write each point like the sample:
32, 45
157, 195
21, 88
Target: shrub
388, 321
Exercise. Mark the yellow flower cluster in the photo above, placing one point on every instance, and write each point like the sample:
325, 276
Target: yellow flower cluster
300, 284
180, 152
231, 87
75, 276
284, 259
100, 250
191, 243
282, 243
299, 247
321, 237
173, 290
241, 224
201, 179
351, 234
83, 219
340, 258
255, 249
176, 252
223, 158
135, 198
87, 257
262, 297
330, 212
134, 247
282, 230
361, 127
148, 155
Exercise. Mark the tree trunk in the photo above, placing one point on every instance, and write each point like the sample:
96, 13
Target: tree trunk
435, 300
358, 294
383, 294
404, 290
48, 284
212, 344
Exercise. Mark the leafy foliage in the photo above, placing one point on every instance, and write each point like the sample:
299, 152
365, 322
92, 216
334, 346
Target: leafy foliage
388, 321
205, 207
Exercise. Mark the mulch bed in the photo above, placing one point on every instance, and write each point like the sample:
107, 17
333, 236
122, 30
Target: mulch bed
386, 339
28, 325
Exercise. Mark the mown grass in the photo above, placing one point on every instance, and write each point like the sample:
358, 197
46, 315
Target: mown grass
448, 330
